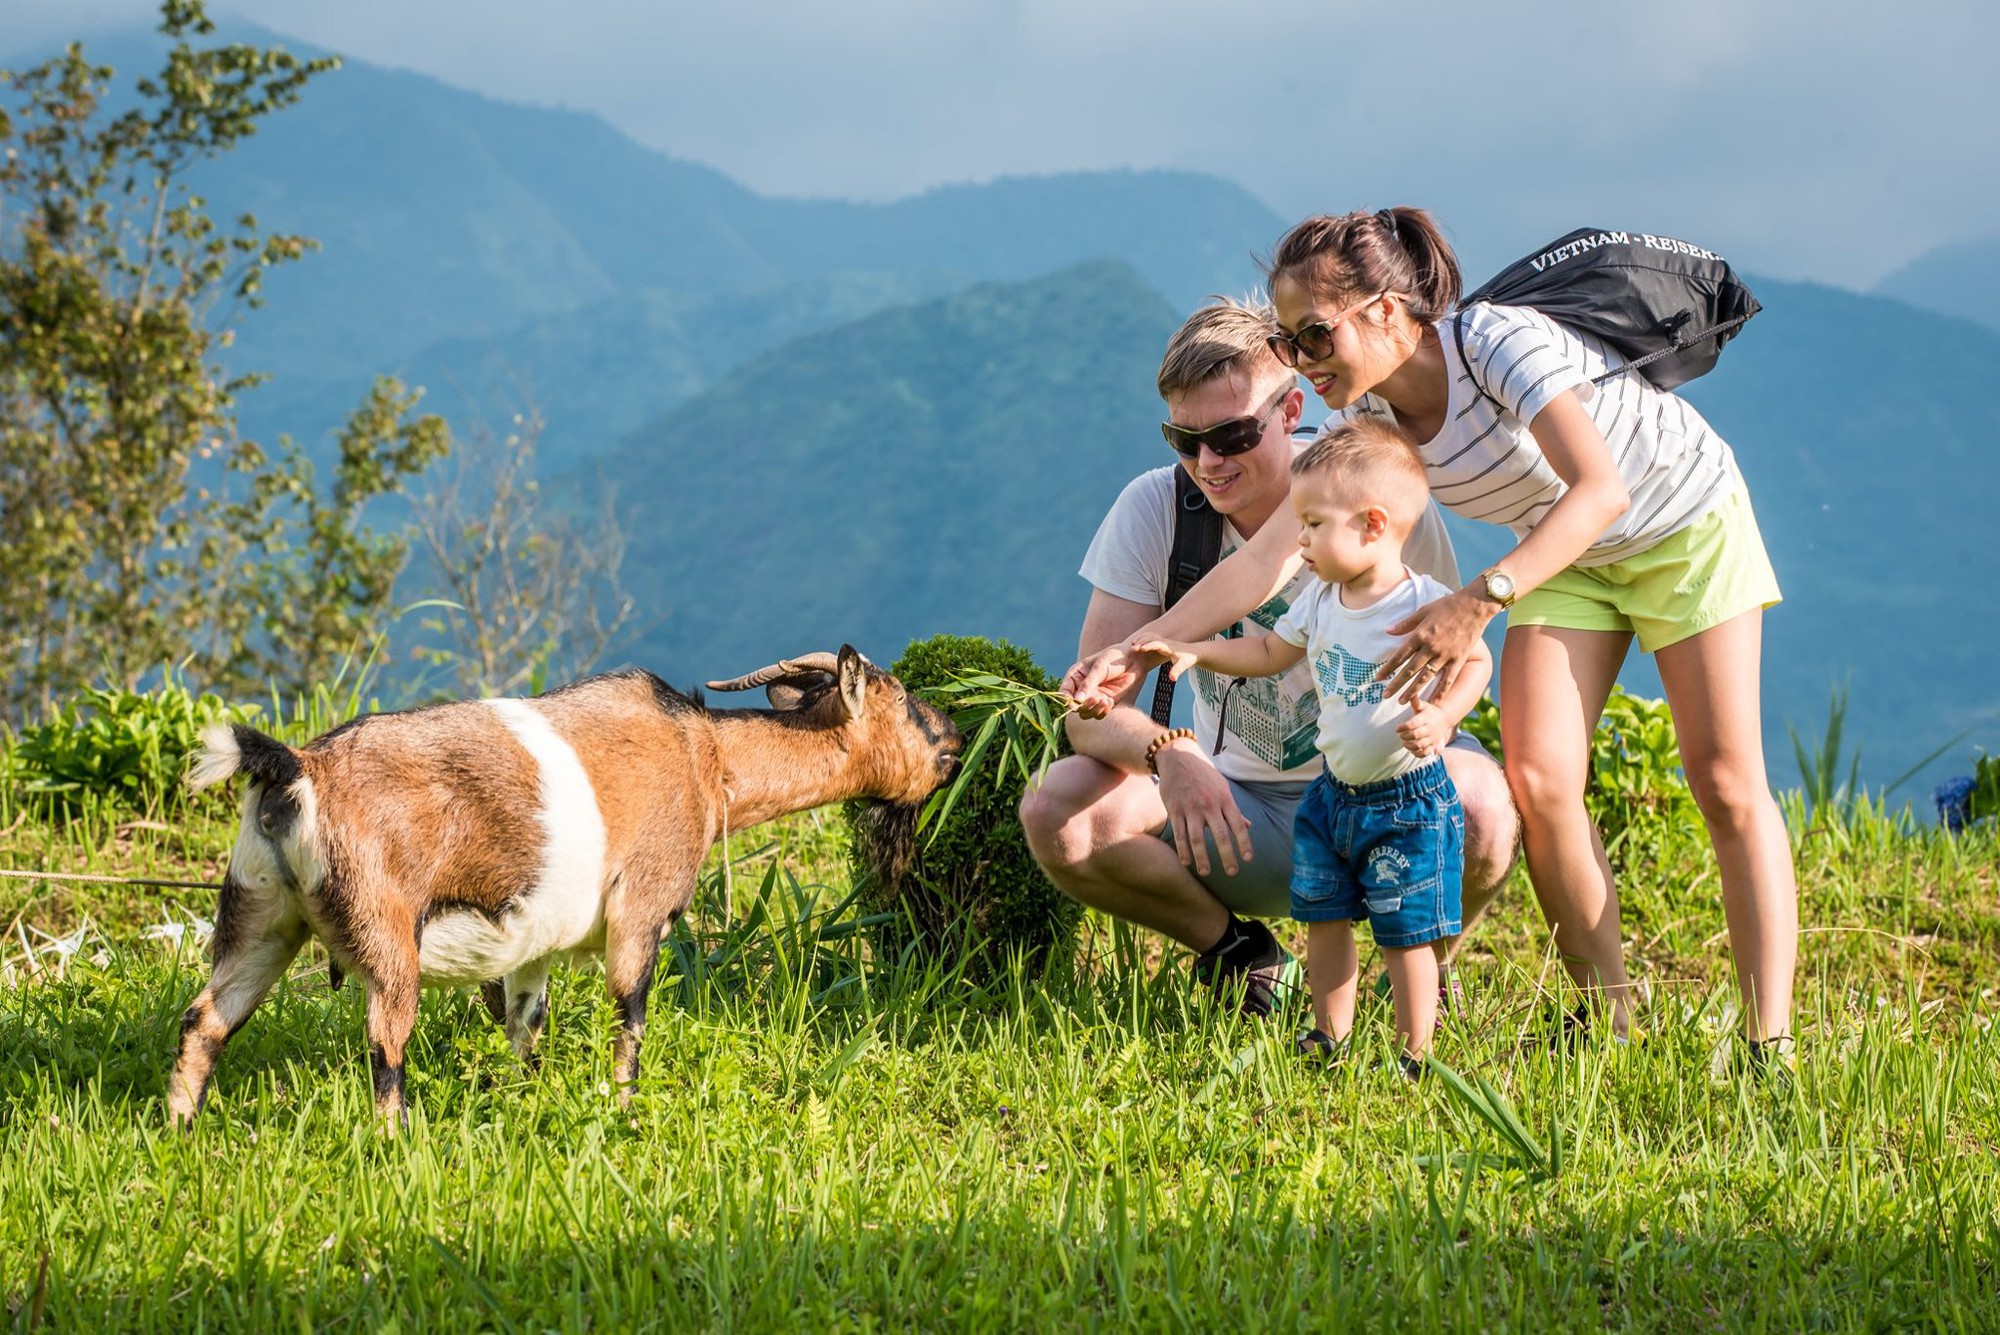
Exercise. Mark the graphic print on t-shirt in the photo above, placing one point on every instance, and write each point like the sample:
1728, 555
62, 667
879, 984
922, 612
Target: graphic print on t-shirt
1346, 678
1276, 725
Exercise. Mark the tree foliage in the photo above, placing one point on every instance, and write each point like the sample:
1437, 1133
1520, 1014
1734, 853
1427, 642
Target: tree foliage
138, 528
528, 592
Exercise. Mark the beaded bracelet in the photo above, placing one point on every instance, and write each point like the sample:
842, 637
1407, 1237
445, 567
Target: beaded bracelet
1165, 739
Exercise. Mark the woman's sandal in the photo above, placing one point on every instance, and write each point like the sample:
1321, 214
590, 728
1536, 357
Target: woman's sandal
1321, 1047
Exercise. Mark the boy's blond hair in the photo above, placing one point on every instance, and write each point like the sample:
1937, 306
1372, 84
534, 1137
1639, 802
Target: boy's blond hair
1371, 461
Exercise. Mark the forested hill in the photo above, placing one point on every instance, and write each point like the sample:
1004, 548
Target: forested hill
929, 468
942, 466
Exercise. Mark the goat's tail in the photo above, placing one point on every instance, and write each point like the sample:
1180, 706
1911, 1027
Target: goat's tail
229, 749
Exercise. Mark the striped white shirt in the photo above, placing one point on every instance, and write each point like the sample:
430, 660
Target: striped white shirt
1484, 464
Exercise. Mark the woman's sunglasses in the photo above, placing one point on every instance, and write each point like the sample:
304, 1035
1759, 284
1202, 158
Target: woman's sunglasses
1315, 342
1238, 435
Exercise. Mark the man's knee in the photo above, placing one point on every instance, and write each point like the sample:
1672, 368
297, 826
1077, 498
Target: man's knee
1492, 826
1068, 816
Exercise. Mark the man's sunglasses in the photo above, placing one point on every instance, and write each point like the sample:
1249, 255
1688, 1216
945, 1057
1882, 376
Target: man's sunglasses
1315, 342
1238, 435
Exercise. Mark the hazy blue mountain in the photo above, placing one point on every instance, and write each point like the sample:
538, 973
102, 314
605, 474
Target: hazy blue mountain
1962, 279
497, 253
942, 467
442, 214
595, 374
449, 218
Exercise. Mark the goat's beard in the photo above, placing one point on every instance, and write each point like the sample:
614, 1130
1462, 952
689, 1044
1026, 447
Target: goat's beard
885, 837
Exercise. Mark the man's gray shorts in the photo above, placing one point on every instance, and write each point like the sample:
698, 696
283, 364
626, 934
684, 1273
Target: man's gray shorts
1262, 887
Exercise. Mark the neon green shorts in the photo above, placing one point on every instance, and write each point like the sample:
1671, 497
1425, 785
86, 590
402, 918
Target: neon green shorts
1713, 570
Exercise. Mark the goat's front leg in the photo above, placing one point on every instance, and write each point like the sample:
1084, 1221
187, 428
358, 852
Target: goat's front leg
527, 1008
392, 1014
256, 937
631, 953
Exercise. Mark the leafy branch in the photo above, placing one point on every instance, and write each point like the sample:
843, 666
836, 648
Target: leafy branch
1020, 724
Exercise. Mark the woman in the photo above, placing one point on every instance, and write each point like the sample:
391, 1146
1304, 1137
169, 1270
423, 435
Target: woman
1631, 518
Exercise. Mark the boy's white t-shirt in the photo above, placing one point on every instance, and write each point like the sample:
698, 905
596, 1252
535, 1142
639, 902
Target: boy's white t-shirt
1271, 719
1345, 646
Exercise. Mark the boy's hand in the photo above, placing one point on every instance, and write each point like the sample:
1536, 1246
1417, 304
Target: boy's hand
1427, 729
1180, 657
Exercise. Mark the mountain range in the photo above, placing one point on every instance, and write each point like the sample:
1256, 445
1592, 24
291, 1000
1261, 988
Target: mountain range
835, 421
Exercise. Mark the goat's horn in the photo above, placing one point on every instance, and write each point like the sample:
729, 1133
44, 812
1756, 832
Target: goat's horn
788, 669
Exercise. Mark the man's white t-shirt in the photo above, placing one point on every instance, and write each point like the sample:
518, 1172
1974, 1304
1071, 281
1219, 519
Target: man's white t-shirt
1344, 647
1273, 721
1484, 463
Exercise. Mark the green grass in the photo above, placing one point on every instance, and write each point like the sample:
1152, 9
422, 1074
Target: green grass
822, 1139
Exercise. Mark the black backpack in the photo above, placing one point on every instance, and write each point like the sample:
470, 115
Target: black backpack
1666, 306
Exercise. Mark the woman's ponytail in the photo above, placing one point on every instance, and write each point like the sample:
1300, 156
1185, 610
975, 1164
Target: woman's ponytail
1393, 250
1436, 283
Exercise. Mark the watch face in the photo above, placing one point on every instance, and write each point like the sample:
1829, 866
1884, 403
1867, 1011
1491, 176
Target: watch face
1500, 585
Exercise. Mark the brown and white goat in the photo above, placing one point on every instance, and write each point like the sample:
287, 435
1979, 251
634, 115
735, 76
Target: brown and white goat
478, 841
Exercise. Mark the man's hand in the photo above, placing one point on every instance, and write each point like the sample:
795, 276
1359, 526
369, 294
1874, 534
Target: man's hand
1199, 805
1098, 682
1427, 730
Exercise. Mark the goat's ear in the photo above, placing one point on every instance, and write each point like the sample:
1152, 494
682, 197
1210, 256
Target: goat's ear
784, 695
853, 681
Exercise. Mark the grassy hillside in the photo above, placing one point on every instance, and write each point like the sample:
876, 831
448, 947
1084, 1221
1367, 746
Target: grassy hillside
826, 1140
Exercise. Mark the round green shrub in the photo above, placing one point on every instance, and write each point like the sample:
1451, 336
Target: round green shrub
969, 883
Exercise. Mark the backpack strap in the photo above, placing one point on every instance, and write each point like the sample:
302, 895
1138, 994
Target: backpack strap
1677, 342
1197, 547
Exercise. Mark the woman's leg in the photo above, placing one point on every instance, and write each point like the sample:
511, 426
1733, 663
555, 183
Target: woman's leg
1553, 685
1712, 686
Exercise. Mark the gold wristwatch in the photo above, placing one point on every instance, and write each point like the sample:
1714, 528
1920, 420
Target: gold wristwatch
1499, 585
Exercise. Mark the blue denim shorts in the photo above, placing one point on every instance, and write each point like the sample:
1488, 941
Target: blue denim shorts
1392, 852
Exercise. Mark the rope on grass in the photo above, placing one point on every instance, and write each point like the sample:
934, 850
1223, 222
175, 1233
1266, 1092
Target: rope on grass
107, 880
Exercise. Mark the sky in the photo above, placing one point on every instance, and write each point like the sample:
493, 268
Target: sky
1809, 139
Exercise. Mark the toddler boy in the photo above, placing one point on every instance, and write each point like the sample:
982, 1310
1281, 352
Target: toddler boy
1380, 834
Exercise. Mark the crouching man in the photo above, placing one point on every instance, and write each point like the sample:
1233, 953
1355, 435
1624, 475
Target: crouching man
1180, 834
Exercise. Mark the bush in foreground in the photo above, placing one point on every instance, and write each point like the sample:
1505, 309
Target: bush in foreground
969, 883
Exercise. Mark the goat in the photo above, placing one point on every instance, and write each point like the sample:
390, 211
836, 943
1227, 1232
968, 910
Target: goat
477, 841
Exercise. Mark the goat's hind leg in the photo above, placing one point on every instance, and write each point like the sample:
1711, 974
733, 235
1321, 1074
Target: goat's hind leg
493, 994
257, 934
390, 953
